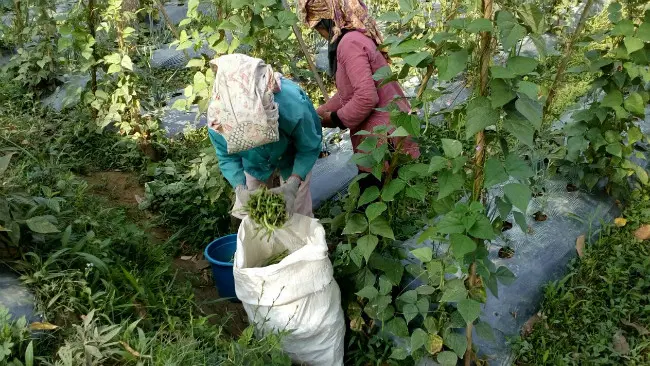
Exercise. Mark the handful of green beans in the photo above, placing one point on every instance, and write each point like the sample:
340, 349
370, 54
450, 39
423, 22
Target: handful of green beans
275, 259
267, 210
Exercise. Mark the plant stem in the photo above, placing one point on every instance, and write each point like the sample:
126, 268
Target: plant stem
93, 68
479, 158
568, 50
303, 47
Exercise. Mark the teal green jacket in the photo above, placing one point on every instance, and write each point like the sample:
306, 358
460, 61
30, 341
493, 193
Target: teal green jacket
295, 152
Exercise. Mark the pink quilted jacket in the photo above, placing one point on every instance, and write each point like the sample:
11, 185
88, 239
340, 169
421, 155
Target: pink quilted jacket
358, 94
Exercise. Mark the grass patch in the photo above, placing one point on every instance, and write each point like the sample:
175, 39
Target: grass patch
603, 299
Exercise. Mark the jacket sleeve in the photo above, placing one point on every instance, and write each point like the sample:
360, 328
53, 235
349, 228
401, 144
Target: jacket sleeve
231, 165
307, 137
354, 60
332, 105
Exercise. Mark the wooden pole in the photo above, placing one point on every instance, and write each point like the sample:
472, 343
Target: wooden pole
303, 47
568, 50
479, 159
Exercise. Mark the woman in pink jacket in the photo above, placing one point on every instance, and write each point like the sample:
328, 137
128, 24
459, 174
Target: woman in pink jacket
354, 58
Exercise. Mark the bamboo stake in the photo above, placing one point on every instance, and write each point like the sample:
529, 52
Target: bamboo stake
568, 50
479, 158
170, 25
303, 47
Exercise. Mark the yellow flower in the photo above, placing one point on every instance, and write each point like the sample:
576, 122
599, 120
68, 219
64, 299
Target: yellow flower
620, 222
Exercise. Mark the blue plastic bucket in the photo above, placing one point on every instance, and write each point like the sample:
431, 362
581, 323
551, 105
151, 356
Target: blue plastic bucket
220, 254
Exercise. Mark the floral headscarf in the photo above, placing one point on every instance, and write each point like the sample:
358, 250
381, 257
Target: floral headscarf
345, 14
242, 107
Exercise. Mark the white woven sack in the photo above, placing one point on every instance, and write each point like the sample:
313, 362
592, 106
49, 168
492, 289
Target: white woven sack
298, 295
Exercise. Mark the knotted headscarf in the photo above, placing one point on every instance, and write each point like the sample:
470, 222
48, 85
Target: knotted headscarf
345, 14
242, 108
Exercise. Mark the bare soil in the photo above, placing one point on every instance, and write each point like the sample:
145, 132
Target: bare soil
124, 189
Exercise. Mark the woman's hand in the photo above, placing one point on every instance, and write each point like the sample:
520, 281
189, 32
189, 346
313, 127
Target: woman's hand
326, 119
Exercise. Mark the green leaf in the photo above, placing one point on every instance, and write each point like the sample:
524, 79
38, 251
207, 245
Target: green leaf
356, 224
531, 109
451, 65
529, 89
397, 326
575, 146
407, 6
415, 59
385, 286
533, 17
614, 12
520, 128
634, 104
459, 23
504, 207
540, 44
368, 144
501, 72
479, 25
399, 132
632, 44
367, 245
425, 290
391, 16
494, 173
382, 73
510, 31
437, 164
418, 339
447, 358
423, 304
448, 183
454, 291
29, 354
114, 69
484, 330
451, 224
126, 63
457, 342
374, 210
369, 195
501, 93
505, 276
518, 194
518, 167
643, 32
479, 116
469, 309
623, 28
520, 219
520, 65
634, 135
399, 354
4, 162
407, 46
452, 148
380, 226
461, 245
612, 99
196, 62
41, 225
368, 292
410, 312
423, 254
482, 228
615, 149
394, 187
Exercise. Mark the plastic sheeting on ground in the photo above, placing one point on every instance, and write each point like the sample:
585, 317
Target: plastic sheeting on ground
15, 296
540, 255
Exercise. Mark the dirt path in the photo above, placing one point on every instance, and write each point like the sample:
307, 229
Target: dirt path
124, 189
